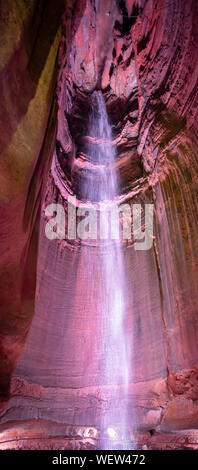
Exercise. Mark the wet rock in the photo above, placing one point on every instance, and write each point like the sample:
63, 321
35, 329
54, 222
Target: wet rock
145, 60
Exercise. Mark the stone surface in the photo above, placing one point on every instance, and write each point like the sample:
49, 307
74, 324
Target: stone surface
144, 57
29, 44
40, 434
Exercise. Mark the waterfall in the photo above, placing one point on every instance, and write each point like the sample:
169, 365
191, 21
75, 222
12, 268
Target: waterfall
110, 301
81, 358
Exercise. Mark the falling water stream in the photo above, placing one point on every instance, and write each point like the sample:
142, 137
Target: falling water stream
111, 293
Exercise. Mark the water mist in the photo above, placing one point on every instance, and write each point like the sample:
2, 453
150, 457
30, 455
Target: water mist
110, 298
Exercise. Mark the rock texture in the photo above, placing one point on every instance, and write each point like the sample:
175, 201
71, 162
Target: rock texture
28, 52
143, 55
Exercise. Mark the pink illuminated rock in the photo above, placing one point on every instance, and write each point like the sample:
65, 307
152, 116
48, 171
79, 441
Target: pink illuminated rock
146, 65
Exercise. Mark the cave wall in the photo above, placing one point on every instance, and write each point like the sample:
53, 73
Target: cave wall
30, 35
143, 55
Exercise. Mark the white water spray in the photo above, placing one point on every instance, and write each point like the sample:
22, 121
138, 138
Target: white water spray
110, 301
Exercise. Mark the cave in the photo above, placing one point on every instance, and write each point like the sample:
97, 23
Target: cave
99, 317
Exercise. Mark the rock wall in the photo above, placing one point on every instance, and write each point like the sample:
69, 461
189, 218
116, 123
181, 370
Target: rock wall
28, 55
143, 55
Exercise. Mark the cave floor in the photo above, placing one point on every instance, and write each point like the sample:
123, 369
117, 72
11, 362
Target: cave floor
45, 435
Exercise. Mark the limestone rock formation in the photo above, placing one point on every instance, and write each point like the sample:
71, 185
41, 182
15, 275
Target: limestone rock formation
142, 54
30, 36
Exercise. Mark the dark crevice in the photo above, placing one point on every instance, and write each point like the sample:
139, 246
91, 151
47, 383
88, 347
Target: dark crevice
124, 47
119, 60
114, 53
128, 21
143, 43
111, 70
